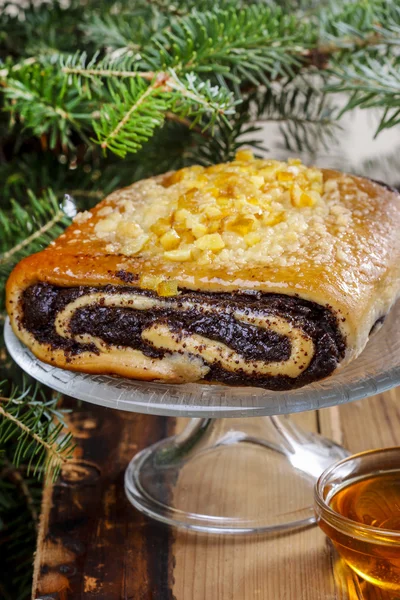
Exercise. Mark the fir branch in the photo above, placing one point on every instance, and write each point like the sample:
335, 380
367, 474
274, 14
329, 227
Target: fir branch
255, 43
79, 67
28, 229
13, 68
115, 31
126, 31
137, 109
28, 417
240, 44
198, 97
372, 83
27, 431
307, 116
41, 100
39, 233
103, 72
358, 25
229, 135
258, 40
131, 118
33, 27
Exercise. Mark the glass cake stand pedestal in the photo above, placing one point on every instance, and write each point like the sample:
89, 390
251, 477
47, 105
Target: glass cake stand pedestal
235, 466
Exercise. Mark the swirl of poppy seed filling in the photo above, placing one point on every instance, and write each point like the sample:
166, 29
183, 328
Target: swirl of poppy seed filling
238, 325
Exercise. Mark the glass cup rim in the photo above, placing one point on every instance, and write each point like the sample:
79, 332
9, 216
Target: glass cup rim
342, 523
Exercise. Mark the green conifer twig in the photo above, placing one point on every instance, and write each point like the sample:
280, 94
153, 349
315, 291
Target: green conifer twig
52, 450
135, 107
58, 218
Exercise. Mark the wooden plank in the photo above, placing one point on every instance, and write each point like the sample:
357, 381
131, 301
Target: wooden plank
93, 544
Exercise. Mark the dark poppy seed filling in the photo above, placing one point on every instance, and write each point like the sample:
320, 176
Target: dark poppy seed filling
210, 315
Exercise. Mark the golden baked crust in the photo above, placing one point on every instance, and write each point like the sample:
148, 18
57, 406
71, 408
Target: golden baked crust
250, 225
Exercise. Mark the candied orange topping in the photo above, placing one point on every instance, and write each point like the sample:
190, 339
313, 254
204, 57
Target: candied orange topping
239, 197
250, 210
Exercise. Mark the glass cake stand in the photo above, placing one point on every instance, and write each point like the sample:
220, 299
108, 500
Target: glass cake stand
235, 466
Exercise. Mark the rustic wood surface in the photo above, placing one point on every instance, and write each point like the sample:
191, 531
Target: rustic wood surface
94, 545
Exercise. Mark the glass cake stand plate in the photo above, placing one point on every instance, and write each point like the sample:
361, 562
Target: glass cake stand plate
225, 473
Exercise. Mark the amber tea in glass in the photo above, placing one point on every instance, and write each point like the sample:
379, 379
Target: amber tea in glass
361, 514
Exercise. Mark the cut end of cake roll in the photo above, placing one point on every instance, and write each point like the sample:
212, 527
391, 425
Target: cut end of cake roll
264, 340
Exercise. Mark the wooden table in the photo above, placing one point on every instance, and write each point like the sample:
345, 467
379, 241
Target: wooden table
93, 544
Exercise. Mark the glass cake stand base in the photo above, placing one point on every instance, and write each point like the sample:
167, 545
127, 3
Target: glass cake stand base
235, 466
232, 475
